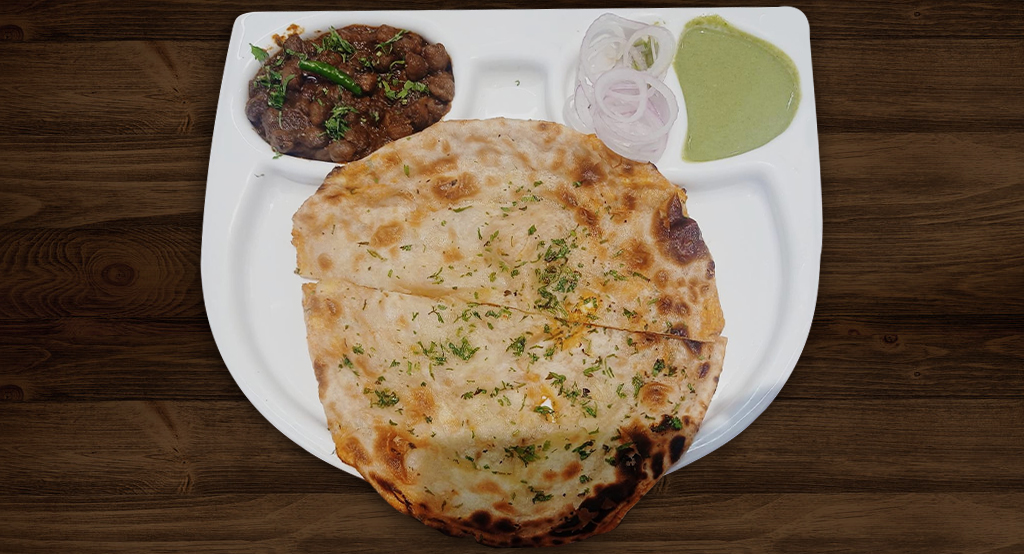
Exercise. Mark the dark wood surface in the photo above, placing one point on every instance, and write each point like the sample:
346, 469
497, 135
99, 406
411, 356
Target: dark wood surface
121, 430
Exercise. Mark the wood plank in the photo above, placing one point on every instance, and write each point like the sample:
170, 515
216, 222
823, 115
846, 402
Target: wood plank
68, 449
152, 88
930, 85
100, 359
670, 521
131, 271
942, 237
93, 359
79, 20
909, 357
171, 87
90, 183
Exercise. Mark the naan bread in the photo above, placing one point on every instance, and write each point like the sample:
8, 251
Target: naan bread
526, 214
518, 429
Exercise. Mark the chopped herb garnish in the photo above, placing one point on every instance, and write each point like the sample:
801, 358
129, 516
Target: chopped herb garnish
387, 45
525, 453
543, 410
358, 349
540, 496
666, 423
435, 353
385, 397
583, 452
276, 87
659, 365
258, 53
517, 346
615, 275
463, 351
336, 126
333, 41
558, 379
531, 230
637, 384
299, 55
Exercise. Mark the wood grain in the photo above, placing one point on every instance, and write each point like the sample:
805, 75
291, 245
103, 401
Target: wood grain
360, 522
121, 430
77, 20
214, 447
131, 271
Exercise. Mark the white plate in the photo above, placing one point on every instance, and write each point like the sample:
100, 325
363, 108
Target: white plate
760, 212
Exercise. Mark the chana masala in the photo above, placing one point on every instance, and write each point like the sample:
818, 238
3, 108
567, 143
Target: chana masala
343, 94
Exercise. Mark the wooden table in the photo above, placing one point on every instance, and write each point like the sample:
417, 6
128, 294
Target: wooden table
121, 430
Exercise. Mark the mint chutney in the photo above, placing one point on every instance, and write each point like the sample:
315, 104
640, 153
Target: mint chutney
740, 91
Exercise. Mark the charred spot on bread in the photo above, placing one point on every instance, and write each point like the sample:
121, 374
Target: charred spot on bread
678, 236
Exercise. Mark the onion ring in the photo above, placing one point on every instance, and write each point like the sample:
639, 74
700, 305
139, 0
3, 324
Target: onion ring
618, 93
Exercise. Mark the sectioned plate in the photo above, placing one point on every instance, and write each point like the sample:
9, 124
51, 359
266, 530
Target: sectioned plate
760, 212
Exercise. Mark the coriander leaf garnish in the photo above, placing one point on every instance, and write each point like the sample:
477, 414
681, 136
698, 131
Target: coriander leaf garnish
525, 453
385, 397
333, 41
258, 53
638, 383
336, 125
387, 45
517, 346
463, 351
659, 365
540, 496
583, 452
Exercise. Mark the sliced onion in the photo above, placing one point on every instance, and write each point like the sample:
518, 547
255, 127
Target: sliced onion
633, 113
662, 49
619, 94
605, 44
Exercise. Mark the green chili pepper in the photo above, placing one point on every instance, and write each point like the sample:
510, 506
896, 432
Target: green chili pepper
333, 73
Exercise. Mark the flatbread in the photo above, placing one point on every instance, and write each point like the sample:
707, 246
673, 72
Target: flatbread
517, 429
515, 330
526, 214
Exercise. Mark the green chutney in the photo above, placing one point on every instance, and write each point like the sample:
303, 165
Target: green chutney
740, 91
